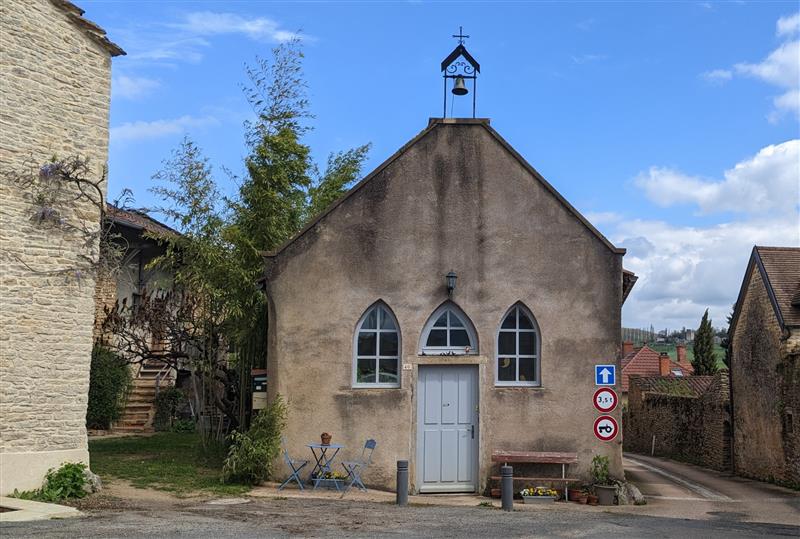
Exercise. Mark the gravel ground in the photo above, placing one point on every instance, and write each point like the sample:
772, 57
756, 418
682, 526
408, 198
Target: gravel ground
113, 517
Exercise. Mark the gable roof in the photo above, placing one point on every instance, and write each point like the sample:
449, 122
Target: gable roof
95, 32
433, 123
689, 386
137, 220
780, 271
646, 362
461, 50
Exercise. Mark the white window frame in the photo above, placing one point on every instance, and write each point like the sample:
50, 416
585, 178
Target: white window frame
536, 356
472, 335
385, 308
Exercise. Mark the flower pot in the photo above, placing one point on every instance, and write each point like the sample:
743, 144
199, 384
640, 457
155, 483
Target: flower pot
605, 494
575, 495
326, 438
592, 499
538, 499
583, 499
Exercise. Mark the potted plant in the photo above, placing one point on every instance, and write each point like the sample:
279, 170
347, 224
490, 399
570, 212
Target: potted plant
325, 438
604, 487
538, 495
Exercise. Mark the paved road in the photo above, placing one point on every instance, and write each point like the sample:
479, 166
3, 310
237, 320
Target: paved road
681, 490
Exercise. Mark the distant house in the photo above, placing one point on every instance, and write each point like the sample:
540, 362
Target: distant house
765, 367
129, 284
645, 361
684, 418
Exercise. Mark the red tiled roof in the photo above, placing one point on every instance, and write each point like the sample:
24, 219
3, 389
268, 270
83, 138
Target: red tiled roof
688, 386
645, 362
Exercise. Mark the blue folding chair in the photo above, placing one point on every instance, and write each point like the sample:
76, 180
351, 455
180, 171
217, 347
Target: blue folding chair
295, 465
355, 468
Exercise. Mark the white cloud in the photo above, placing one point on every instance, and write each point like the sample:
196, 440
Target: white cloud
586, 58
133, 87
717, 76
685, 269
211, 23
767, 182
159, 128
602, 217
780, 68
788, 25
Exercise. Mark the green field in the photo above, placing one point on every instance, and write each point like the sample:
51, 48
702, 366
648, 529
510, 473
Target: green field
670, 349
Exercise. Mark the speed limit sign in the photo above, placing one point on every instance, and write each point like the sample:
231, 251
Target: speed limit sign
605, 400
606, 428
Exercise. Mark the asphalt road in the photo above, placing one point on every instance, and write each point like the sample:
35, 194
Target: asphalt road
675, 489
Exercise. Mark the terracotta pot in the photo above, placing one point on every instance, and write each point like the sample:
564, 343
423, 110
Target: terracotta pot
574, 495
592, 499
326, 438
583, 499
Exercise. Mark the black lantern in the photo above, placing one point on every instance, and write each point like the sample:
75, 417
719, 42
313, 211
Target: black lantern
450, 279
460, 66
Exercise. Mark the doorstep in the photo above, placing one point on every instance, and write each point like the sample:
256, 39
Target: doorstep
17, 510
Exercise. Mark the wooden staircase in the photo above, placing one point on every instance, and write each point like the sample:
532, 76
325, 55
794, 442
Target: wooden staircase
140, 408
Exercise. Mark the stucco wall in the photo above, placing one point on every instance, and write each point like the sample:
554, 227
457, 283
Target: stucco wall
54, 100
758, 447
456, 200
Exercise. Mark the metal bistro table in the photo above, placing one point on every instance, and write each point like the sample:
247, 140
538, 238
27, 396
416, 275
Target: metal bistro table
324, 463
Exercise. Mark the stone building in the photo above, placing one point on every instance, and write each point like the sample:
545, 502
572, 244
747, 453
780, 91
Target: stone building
681, 417
765, 367
54, 100
369, 338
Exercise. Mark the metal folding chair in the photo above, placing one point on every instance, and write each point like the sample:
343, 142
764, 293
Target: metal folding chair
355, 468
295, 465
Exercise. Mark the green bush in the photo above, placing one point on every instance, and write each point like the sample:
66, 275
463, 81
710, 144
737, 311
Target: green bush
251, 454
68, 482
169, 402
183, 425
109, 381
600, 470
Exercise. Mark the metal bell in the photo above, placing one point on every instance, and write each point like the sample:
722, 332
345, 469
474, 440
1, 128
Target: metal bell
459, 88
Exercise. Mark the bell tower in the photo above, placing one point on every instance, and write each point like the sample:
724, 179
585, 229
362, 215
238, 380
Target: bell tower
460, 66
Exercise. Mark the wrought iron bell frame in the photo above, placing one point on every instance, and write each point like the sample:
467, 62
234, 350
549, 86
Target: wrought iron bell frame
460, 63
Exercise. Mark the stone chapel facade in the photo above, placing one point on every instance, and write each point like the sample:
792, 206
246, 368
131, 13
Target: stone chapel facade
55, 83
366, 340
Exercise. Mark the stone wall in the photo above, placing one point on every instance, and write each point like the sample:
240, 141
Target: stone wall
690, 428
55, 82
758, 445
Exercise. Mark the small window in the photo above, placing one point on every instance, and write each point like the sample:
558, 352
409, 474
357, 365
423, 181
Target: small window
377, 349
448, 332
518, 349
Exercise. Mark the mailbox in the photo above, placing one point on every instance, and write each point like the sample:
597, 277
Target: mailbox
259, 377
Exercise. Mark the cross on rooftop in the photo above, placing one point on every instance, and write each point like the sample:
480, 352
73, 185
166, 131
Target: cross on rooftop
460, 35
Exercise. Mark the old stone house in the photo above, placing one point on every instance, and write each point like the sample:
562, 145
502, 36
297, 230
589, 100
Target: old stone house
765, 367
369, 338
54, 98
644, 361
681, 417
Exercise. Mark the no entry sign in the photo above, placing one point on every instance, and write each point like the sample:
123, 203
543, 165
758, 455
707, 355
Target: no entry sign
605, 400
606, 428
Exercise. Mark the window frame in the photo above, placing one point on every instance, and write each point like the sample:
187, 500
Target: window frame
377, 357
536, 356
472, 335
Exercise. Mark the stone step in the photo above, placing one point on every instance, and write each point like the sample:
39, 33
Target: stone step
135, 416
120, 429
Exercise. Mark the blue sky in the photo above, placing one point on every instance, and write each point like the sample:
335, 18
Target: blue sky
672, 126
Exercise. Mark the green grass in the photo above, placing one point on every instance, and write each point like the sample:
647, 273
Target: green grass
168, 461
670, 349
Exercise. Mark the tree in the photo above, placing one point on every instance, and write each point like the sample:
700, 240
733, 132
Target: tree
705, 360
726, 341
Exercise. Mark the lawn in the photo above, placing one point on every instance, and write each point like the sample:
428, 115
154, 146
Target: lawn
166, 461
719, 352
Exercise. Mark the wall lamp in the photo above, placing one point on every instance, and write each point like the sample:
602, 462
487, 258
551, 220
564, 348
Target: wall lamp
450, 279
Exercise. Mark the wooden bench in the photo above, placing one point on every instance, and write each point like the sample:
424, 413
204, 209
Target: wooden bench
539, 457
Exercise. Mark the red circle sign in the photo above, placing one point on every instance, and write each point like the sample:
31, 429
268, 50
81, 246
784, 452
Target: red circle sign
605, 400
606, 428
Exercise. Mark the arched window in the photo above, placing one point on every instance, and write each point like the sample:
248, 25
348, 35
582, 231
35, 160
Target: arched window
518, 349
377, 349
448, 332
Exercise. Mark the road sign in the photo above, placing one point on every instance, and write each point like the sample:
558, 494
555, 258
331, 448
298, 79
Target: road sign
605, 400
605, 375
606, 428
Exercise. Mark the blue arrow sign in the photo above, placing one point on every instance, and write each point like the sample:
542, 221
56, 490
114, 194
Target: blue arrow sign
605, 375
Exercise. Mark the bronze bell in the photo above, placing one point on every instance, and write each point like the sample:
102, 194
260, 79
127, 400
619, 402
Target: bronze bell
459, 88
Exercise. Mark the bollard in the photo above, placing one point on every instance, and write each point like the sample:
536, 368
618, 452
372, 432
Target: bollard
402, 482
507, 487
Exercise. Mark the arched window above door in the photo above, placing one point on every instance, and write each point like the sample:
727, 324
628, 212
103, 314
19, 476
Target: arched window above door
448, 332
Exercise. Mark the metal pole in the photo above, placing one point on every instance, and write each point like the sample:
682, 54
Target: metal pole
507, 487
402, 482
474, 93
444, 109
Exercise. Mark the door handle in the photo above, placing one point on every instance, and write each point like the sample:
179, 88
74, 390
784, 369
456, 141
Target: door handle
473, 432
